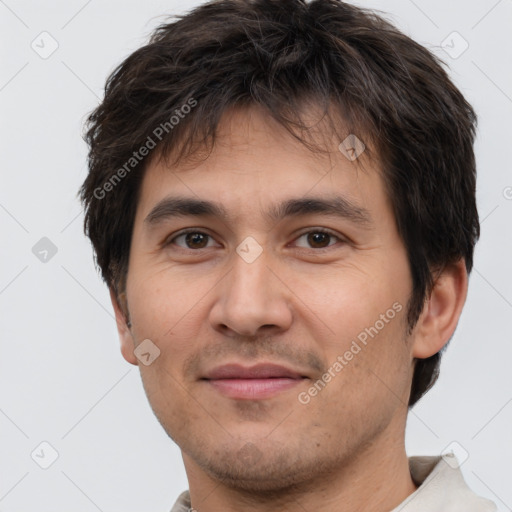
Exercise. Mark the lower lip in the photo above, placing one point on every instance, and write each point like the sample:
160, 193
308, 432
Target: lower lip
250, 389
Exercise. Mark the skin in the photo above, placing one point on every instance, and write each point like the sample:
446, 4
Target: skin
297, 305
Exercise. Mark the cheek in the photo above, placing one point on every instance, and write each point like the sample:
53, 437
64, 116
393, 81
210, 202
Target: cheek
349, 299
166, 309
162, 300
365, 314
371, 373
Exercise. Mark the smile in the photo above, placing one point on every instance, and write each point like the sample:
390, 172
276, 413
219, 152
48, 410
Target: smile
253, 389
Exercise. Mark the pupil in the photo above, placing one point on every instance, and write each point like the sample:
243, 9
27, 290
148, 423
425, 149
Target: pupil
195, 239
316, 238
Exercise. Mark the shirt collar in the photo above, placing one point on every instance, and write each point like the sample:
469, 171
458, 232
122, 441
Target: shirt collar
441, 487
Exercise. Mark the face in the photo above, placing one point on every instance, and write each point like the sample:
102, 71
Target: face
267, 278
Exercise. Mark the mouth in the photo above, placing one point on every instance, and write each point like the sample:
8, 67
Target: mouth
253, 383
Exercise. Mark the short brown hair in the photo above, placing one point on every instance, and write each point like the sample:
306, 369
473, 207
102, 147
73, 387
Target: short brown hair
276, 54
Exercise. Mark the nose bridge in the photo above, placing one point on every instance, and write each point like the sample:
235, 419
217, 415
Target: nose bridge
250, 282
251, 297
250, 277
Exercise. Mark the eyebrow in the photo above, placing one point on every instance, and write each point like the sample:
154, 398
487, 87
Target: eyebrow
337, 206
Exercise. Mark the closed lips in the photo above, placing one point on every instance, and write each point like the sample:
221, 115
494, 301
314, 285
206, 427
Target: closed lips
260, 371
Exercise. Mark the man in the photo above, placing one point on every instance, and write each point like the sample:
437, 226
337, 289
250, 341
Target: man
281, 199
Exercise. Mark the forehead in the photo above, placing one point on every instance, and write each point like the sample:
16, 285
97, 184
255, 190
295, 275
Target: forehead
255, 159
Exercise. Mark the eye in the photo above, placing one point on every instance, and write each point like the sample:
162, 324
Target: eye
195, 240
319, 238
192, 240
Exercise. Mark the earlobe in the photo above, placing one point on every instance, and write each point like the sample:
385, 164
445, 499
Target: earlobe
125, 336
441, 312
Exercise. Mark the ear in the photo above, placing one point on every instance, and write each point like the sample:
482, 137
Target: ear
441, 312
125, 336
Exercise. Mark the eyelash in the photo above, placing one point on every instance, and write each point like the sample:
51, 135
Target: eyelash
169, 241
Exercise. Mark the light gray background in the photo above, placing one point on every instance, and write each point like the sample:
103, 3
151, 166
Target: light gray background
62, 377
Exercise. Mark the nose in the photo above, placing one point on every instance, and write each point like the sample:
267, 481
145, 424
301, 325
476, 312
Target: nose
252, 300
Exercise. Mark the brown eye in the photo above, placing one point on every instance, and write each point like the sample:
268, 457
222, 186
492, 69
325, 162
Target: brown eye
196, 240
319, 239
192, 240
